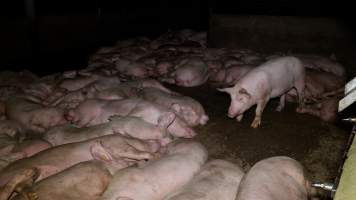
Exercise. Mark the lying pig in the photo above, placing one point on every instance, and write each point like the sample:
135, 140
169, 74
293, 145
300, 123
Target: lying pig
131, 69
158, 178
190, 110
322, 63
127, 126
218, 179
190, 73
34, 117
326, 109
275, 178
272, 79
130, 89
153, 113
76, 83
319, 85
140, 129
110, 148
86, 180
16, 151
96, 111
231, 75
88, 91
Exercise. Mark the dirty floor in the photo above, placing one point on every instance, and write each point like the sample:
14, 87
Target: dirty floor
319, 146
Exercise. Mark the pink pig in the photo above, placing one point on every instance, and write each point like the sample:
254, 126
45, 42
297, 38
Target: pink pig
271, 79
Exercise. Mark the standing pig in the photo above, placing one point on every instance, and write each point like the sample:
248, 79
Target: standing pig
217, 180
275, 178
190, 110
110, 148
161, 177
271, 79
84, 181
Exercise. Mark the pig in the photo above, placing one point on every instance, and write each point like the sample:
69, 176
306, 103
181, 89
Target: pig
275, 178
319, 85
69, 133
88, 91
230, 76
19, 181
252, 59
20, 150
127, 126
73, 84
326, 109
153, 113
140, 129
164, 67
34, 117
189, 73
272, 79
131, 68
217, 179
86, 180
95, 111
322, 63
190, 110
109, 148
158, 178
12, 129
130, 89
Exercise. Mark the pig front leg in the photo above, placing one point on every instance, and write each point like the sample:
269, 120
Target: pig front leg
25, 178
282, 102
300, 87
239, 117
260, 107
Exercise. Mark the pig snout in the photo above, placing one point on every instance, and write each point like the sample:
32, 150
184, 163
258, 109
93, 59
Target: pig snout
204, 119
70, 116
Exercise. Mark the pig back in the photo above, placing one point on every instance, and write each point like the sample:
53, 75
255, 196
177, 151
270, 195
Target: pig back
86, 180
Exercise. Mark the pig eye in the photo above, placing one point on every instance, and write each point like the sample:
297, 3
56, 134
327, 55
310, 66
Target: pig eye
84, 92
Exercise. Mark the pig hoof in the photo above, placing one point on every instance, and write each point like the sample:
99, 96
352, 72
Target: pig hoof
279, 108
299, 110
31, 195
256, 123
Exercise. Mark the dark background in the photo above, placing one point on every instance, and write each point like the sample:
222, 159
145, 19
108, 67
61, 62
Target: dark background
47, 36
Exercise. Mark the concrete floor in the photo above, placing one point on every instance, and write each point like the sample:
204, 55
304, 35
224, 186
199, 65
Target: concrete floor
319, 146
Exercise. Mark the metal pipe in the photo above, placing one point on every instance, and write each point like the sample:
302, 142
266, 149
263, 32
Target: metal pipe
325, 186
353, 120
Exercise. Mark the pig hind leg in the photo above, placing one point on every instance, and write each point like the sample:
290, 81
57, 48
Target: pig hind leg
300, 87
260, 107
282, 102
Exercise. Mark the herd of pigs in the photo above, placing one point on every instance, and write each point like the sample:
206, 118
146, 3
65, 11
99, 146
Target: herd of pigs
113, 131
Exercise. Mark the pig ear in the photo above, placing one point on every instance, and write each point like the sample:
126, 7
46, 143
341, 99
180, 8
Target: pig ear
244, 91
99, 152
228, 90
166, 119
176, 107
